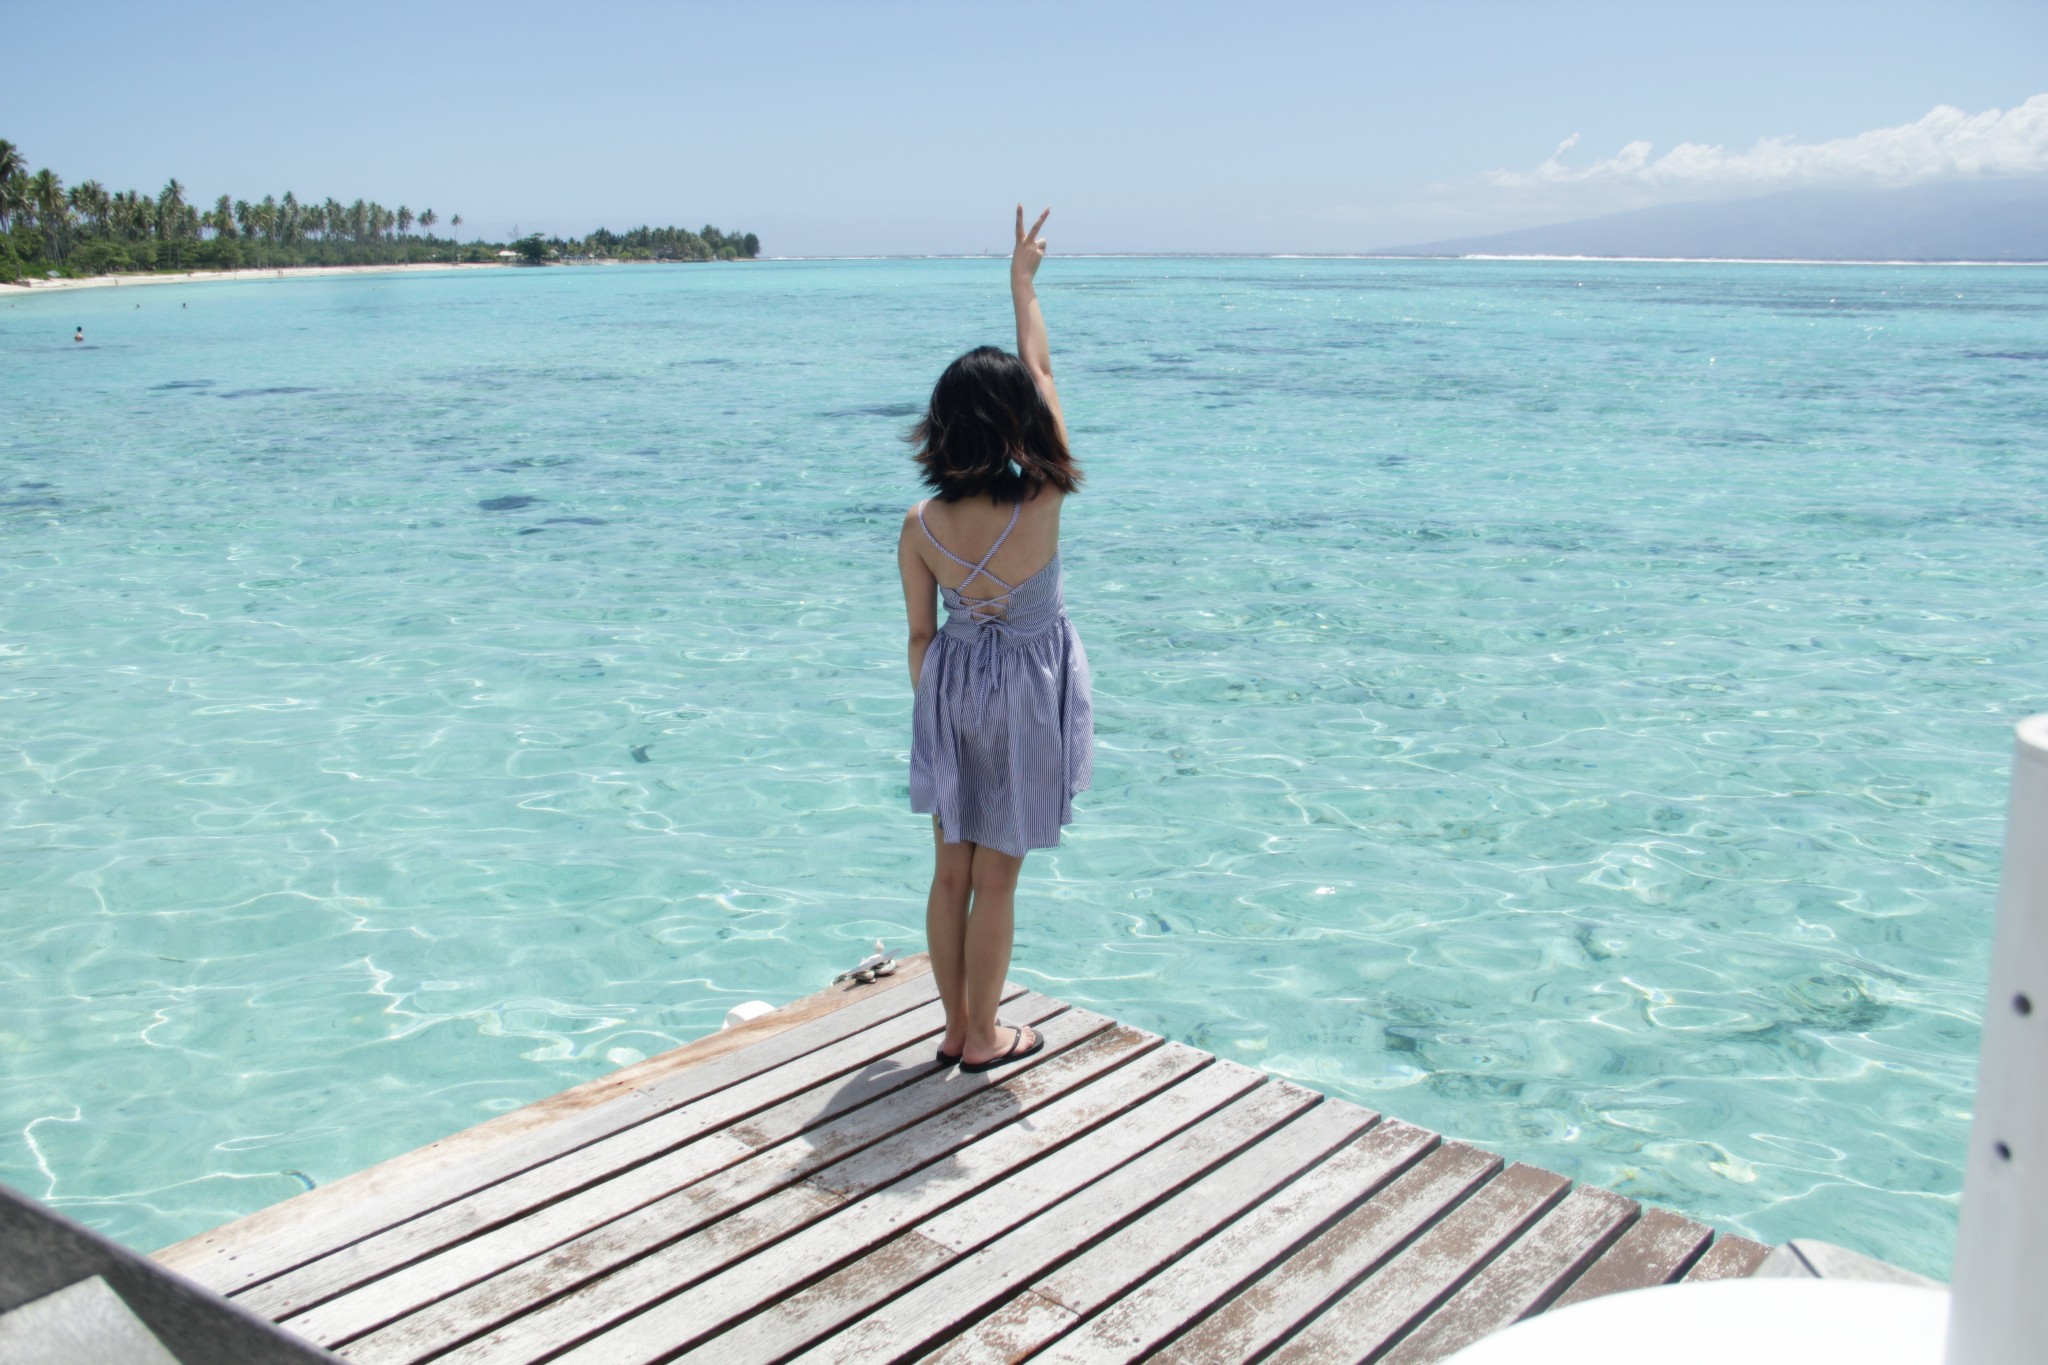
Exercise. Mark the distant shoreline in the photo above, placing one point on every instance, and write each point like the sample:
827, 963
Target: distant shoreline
1401, 256
289, 272
300, 272
1691, 260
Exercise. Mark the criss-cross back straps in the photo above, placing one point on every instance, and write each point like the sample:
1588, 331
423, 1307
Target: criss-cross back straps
986, 660
975, 571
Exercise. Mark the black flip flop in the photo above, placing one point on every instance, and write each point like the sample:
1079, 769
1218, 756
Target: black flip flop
948, 1058
1013, 1055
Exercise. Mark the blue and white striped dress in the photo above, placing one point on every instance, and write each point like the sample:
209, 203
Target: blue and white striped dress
1003, 732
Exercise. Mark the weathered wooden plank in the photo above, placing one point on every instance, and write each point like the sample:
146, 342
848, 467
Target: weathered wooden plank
1255, 1107
1093, 1161
273, 1240
44, 1252
916, 1125
1242, 1250
1522, 1279
1656, 1249
1352, 1247
1105, 1271
1011, 1333
902, 1261
1387, 1302
1729, 1258
587, 1195
1172, 1078
936, 1307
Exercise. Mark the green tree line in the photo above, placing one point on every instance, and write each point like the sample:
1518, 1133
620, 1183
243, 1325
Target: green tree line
48, 228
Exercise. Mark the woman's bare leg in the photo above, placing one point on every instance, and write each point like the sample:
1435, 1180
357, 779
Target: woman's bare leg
991, 926
945, 930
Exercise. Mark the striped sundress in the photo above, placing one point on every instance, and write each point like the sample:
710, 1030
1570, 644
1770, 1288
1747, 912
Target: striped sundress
1002, 732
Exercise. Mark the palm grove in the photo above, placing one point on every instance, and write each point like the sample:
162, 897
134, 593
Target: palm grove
46, 228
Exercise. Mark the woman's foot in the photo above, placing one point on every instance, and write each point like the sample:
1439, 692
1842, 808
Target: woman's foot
951, 1047
1023, 1042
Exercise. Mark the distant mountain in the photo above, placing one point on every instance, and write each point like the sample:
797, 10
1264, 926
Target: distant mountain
1975, 220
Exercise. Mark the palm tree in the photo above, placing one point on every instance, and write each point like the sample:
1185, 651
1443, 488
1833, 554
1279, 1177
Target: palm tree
275, 222
222, 220
14, 200
12, 192
121, 214
142, 216
89, 199
170, 205
53, 214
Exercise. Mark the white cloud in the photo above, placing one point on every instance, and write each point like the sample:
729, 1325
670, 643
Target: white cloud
1947, 142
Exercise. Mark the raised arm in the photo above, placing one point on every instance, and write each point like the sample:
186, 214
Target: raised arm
1032, 347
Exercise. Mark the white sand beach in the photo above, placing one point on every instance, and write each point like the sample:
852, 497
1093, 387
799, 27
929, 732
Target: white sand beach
191, 276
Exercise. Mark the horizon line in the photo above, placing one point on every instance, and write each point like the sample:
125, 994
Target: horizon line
1415, 256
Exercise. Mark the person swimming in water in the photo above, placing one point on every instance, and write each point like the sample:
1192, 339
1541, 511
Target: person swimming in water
79, 335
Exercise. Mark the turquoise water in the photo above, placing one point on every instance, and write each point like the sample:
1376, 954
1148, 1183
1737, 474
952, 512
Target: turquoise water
1566, 705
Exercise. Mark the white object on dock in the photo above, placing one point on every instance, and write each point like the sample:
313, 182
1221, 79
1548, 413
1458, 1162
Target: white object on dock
751, 1009
1755, 1321
2002, 1242
879, 963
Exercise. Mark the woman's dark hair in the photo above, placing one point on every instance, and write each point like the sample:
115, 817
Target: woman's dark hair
989, 431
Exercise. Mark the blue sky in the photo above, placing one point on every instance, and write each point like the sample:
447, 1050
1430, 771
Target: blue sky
911, 126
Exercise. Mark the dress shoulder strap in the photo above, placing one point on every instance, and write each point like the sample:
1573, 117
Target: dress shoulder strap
936, 543
974, 570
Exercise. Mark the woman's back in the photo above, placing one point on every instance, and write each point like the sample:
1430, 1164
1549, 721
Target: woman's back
970, 526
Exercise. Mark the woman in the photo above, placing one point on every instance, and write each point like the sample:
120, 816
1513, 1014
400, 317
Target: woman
1002, 734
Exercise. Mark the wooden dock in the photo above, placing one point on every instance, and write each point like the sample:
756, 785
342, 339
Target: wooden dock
813, 1186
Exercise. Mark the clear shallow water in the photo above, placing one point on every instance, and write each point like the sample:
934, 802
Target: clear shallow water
1565, 705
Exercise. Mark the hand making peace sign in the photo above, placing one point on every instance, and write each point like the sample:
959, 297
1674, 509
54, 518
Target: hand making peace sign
1030, 247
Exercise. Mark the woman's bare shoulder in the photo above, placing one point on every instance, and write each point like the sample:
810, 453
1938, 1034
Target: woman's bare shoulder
1046, 504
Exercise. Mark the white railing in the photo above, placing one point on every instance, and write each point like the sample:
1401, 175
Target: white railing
1998, 1309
